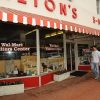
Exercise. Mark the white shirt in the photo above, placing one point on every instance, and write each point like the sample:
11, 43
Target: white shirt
95, 56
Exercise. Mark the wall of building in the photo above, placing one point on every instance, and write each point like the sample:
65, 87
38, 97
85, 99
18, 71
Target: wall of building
87, 5
85, 10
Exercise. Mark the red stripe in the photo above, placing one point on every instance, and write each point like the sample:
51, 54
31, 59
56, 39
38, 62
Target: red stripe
63, 26
45, 23
29, 20
81, 29
51, 23
38, 21
91, 32
58, 25
88, 31
20, 18
96, 32
10, 17
0, 15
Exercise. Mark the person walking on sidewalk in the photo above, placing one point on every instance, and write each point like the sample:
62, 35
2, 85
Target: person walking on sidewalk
95, 61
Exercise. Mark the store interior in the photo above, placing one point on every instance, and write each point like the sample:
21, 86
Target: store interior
18, 52
18, 49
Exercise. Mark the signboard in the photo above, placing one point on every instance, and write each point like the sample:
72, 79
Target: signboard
53, 47
13, 47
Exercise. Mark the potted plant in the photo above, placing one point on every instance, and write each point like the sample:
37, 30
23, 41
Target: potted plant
8, 88
61, 75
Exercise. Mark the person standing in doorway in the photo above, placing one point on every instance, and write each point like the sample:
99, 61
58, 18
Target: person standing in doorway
95, 61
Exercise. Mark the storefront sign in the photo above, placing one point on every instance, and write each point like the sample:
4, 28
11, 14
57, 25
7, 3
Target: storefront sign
53, 47
96, 20
50, 5
64, 9
13, 47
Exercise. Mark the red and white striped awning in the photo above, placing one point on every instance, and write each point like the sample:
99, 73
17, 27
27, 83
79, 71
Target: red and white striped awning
15, 16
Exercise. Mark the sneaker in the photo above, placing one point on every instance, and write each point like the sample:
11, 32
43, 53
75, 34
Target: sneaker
96, 78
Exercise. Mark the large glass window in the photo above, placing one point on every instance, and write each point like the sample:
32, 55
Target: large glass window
17, 50
84, 54
51, 50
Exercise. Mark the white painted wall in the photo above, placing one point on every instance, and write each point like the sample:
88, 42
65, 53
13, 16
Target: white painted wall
86, 9
87, 5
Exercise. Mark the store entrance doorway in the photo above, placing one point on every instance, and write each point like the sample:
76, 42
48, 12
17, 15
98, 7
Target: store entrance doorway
70, 56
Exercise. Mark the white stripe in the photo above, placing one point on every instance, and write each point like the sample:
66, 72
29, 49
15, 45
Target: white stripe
41, 23
4, 16
66, 27
33, 21
83, 30
60, 26
75, 29
79, 30
15, 18
24, 20
55, 26
48, 24
71, 28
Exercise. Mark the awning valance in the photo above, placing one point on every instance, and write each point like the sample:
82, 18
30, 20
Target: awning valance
16, 16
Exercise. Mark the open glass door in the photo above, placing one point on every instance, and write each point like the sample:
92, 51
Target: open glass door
70, 56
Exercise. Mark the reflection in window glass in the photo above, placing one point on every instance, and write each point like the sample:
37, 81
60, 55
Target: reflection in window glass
51, 52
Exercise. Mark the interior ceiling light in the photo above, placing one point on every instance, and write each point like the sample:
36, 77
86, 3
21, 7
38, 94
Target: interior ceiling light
53, 34
47, 36
60, 32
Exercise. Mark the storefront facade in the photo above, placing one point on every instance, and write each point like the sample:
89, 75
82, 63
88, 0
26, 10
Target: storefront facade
66, 16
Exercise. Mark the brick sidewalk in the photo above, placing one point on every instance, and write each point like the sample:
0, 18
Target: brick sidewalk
56, 86
47, 89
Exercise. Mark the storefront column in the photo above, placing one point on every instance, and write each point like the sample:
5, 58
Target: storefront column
65, 51
76, 55
38, 54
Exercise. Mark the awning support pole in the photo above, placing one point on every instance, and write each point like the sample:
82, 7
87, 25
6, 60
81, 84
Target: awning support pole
38, 55
65, 51
76, 55
38, 52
